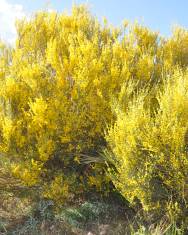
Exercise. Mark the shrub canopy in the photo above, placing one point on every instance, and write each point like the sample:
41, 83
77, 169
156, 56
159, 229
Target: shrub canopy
149, 148
56, 99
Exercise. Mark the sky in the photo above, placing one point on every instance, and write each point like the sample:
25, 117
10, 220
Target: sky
159, 15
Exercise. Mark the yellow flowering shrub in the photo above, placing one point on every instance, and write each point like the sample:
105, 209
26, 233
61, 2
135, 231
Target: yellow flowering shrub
5, 58
58, 190
149, 152
176, 48
56, 87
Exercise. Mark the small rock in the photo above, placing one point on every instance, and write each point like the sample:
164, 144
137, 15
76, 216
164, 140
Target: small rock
90, 233
104, 229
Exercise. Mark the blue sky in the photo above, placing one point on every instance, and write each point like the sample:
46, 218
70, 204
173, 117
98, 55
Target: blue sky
159, 15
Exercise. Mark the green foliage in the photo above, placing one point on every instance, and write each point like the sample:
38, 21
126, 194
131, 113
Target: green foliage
87, 213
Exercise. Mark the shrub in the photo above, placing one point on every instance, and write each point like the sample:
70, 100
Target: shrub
149, 148
55, 92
